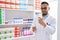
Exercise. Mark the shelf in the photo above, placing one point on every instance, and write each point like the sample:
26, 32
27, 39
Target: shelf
24, 10
24, 37
19, 37
21, 9
15, 24
28, 10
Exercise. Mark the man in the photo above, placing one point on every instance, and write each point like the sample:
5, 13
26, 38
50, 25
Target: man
44, 27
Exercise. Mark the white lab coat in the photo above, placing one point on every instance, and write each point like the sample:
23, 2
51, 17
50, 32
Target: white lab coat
44, 33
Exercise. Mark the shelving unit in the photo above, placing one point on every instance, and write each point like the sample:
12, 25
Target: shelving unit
9, 21
16, 19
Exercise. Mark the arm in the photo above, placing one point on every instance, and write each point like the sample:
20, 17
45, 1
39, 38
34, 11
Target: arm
50, 28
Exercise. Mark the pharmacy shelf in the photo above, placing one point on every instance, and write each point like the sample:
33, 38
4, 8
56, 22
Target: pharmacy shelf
16, 24
24, 37
7, 34
27, 10
24, 10
19, 37
13, 38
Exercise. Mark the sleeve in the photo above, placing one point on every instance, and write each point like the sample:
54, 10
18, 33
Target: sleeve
50, 28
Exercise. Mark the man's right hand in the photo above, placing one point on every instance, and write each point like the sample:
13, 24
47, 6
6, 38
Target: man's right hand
34, 28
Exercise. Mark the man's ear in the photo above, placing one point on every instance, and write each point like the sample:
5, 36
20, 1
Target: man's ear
48, 8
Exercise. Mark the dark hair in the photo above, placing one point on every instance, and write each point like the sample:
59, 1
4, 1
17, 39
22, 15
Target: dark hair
45, 3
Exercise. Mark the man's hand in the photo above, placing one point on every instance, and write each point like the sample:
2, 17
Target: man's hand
41, 21
34, 28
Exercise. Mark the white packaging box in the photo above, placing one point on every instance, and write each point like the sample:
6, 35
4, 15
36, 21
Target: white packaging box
30, 8
13, 1
6, 30
2, 5
2, 0
10, 21
24, 1
23, 6
25, 22
25, 32
8, 0
17, 6
18, 21
7, 36
31, 2
12, 6
38, 13
7, 5
17, 1
3, 15
29, 32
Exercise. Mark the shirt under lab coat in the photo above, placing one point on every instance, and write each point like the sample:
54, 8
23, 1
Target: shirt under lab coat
44, 33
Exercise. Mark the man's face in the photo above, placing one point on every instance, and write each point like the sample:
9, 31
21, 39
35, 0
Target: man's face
44, 9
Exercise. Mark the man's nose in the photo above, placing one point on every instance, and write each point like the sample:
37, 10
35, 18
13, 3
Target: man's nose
43, 9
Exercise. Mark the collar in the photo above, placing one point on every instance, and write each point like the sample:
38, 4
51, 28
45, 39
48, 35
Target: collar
45, 16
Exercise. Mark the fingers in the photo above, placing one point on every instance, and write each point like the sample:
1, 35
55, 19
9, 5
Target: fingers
40, 18
34, 28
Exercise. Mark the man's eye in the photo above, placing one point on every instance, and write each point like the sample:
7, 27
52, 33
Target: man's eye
43, 8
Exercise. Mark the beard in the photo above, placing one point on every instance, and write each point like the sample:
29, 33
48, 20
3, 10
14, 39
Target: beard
43, 14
